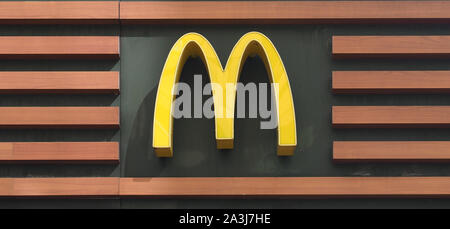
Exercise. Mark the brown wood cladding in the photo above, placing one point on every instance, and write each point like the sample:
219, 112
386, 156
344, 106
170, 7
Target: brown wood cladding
59, 187
227, 187
59, 82
79, 12
261, 12
380, 82
286, 186
402, 151
79, 152
59, 117
391, 116
59, 12
391, 46
284, 11
59, 47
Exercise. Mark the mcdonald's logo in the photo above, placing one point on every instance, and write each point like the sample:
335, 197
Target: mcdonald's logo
194, 44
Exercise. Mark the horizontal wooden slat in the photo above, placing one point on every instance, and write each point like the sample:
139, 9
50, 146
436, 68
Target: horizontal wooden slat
59, 117
72, 152
224, 12
284, 11
287, 186
59, 47
391, 46
380, 82
59, 82
227, 187
391, 116
401, 151
59, 187
59, 12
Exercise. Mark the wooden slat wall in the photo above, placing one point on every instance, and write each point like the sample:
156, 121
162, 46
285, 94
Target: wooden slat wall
59, 47
73, 47
59, 82
54, 152
391, 116
59, 117
59, 12
287, 186
60, 187
387, 151
391, 46
392, 82
284, 11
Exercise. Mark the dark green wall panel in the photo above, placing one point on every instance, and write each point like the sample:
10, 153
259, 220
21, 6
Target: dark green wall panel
305, 51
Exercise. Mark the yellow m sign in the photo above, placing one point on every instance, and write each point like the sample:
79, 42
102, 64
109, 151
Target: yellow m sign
194, 44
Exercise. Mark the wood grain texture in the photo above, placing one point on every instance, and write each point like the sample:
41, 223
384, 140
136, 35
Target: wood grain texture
61, 12
59, 47
286, 187
79, 12
383, 82
391, 116
398, 151
284, 11
59, 187
391, 46
242, 187
59, 82
55, 152
59, 117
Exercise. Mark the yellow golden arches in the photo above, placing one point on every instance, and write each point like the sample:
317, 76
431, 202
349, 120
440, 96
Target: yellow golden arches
194, 44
